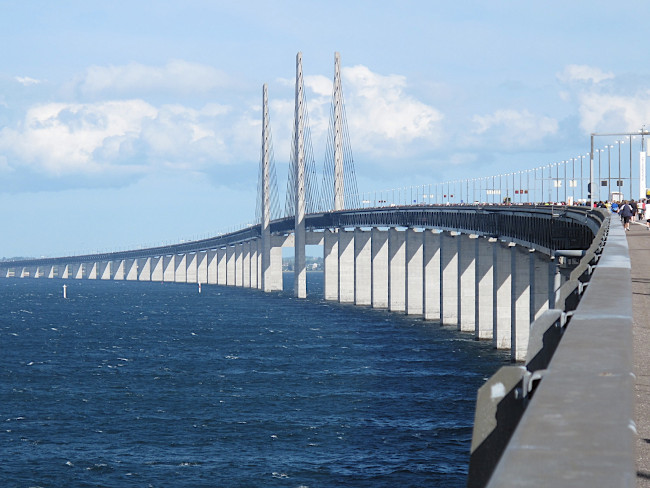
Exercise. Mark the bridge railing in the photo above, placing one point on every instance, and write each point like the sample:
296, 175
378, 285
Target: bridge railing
565, 418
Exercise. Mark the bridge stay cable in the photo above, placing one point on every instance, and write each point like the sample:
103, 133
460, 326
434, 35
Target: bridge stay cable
339, 183
267, 165
301, 153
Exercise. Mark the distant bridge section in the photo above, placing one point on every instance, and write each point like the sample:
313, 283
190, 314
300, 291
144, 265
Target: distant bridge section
489, 270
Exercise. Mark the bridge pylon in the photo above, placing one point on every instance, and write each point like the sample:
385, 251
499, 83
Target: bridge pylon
300, 275
267, 199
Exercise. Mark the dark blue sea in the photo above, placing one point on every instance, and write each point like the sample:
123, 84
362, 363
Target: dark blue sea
155, 385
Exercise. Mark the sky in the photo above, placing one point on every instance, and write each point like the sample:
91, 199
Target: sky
129, 124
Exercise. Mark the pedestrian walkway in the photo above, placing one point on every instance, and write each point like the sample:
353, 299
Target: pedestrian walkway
638, 239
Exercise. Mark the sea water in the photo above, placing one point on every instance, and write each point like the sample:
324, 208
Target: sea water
151, 384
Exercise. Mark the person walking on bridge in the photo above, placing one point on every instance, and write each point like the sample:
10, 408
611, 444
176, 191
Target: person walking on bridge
626, 212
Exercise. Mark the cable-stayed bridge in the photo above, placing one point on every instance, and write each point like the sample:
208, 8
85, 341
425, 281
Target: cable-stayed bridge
521, 276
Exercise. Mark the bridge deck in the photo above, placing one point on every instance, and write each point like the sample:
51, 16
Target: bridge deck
639, 244
638, 239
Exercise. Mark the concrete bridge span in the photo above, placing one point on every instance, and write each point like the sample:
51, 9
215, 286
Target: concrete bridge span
486, 270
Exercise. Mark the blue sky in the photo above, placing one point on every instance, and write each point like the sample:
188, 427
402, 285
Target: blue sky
136, 123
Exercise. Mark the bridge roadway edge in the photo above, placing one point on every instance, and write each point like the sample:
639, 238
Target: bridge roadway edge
639, 244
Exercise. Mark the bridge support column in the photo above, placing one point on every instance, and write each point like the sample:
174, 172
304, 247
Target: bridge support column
145, 270
158, 268
538, 284
78, 271
254, 263
191, 267
396, 270
484, 313
103, 269
169, 268
414, 272
362, 267
346, 266
449, 278
180, 270
231, 266
202, 267
520, 302
331, 263
502, 294
467, 282
554, 281
92, 272
239, 264
379, 268
53, 272
432, 274
222, 265
274, 275
246, 264
119, 270
131, 269
212, 266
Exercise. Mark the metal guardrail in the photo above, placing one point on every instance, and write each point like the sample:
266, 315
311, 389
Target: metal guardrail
566, 417
549, 228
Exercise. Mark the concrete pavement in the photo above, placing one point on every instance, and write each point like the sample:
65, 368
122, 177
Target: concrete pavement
638, 239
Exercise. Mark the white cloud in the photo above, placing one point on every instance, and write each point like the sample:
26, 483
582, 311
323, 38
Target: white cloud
176, 76
124, 137
603, 112
26, 80
577, 72
383, 119
514, 129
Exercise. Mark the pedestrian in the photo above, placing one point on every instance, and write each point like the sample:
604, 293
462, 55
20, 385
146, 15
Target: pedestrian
626, 214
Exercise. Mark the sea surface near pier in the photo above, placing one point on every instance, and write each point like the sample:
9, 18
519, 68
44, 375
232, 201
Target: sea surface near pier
151, 384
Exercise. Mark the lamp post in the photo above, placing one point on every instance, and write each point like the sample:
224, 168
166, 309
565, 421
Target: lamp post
599, 176
619, 181
609, 173
630, 138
